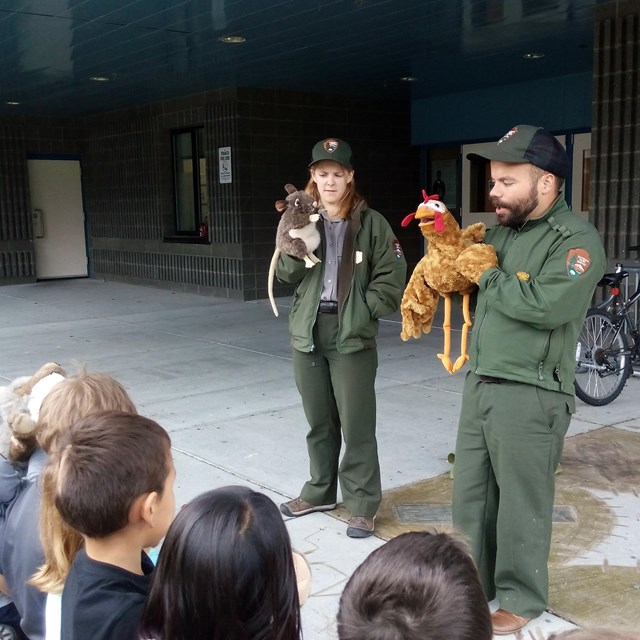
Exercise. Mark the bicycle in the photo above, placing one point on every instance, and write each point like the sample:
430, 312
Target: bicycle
609, 343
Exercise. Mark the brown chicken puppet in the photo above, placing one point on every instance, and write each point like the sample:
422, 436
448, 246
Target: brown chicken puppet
454, 262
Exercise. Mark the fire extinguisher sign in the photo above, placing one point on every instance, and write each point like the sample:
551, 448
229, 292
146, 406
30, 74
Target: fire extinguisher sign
224, 165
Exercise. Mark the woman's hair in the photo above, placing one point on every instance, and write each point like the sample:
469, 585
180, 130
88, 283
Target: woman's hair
418, 586
70, 400
594, 634
225, 572
350, 200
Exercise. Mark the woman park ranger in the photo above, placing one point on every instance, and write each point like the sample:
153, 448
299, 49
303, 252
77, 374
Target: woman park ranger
333, 324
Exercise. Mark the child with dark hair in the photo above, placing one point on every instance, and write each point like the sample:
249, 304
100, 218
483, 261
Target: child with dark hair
225, 571
418, 586
114, 484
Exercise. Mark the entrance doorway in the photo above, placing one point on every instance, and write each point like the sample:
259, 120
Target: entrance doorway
58, 218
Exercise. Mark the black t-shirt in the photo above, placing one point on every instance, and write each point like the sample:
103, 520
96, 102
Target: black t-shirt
103, 602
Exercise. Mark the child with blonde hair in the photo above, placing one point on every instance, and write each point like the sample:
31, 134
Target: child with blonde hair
24, 553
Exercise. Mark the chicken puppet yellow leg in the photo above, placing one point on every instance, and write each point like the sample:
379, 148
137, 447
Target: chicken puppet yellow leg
464, 356
446, 327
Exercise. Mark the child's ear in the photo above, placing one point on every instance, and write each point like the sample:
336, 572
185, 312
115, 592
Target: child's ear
144, 508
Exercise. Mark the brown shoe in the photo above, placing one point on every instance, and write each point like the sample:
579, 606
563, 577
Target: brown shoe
299, 507
360, 527
505, 623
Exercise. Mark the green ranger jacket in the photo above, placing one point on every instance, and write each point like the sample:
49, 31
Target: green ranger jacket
371, 280
530, 308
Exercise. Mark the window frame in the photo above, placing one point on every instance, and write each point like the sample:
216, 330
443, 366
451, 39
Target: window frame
200, 230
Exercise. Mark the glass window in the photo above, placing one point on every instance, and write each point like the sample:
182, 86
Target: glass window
190, 180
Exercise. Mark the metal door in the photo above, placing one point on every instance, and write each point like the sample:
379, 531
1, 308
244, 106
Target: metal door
58, 218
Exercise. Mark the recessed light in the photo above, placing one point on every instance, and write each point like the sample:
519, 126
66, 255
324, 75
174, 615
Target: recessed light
232, 39
12, 103
99, 78
533, 55
409, 79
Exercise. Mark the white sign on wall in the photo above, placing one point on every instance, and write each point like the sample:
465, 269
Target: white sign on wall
224, 165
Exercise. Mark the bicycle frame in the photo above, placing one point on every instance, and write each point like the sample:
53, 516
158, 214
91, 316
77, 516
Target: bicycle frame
624, 315
608, 346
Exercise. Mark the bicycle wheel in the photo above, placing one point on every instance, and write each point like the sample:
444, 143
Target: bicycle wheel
603, 360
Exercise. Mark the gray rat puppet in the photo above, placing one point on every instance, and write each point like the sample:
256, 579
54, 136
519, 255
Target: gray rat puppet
297, 234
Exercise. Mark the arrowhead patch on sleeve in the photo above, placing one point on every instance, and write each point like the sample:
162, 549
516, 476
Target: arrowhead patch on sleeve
578, 262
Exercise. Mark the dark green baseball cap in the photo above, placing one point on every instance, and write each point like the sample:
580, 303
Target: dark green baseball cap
525, 143
332, 149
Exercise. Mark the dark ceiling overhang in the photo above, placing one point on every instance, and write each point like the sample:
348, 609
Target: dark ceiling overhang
80, 57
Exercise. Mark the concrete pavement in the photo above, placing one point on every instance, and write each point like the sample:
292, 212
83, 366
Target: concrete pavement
217, 375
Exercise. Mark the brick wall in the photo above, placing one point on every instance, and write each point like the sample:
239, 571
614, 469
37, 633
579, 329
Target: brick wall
128, 181
615, 148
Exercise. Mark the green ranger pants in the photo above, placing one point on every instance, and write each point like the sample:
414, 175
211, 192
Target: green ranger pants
510, 439
339, 400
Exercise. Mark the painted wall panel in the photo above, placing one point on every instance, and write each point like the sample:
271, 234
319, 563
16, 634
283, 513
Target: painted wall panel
558, 104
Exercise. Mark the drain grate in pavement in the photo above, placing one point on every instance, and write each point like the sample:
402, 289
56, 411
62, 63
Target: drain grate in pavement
432, 513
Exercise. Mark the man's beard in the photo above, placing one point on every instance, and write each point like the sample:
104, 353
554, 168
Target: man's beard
517, 212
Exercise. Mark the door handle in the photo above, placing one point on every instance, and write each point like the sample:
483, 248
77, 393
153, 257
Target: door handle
38, 223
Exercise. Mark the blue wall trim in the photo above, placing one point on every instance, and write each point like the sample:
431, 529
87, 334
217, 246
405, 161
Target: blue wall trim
558, 104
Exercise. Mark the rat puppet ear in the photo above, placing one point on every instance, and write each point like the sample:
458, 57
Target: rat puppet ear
289, 188
281, 205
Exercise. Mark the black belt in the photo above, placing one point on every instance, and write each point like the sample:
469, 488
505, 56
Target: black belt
492, 379
328, 306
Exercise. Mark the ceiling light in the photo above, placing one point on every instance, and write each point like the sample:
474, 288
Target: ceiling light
12, 103
409, 79
533, 55
232, 39
99, 78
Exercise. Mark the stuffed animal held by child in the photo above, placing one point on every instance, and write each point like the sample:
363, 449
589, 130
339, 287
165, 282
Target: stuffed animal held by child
20, 404
454, 262
297, 234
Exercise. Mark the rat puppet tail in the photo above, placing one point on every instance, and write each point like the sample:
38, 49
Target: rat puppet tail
272, 275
